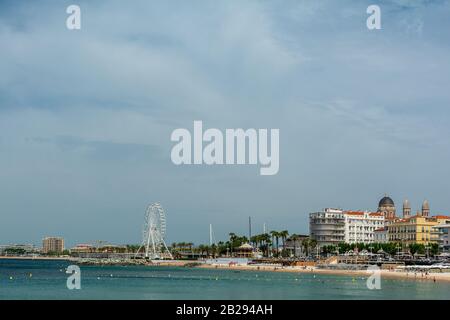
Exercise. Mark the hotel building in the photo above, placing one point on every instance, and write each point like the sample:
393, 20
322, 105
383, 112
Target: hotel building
361, 225
416, 229
52, 244
442, 233
327, 227
381, 235
333, 226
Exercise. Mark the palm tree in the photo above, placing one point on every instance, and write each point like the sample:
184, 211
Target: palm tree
214, 250
305, 245
232, 240
265, 240
313, 243
173, 248
294, 237
284, 234
255, 240
275, 235
201, 249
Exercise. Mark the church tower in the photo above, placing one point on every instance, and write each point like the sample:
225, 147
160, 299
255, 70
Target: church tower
425, 208
406, 209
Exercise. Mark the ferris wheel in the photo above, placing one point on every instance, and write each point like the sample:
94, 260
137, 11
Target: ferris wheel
153, 233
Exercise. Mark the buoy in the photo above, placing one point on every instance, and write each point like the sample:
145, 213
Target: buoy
10, 278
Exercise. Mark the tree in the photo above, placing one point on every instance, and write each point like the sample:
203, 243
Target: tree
305, 245
284, 234
313, 244
255, 240
214, 250
294, 238
265, 241
434, 249
276, 237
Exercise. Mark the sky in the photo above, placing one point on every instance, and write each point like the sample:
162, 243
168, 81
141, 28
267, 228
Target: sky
86, 115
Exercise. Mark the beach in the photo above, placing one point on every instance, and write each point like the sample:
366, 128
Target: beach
392, 274
435, 276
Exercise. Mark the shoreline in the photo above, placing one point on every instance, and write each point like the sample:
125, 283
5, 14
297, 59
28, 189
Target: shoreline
442, 277
431, 277
36, 258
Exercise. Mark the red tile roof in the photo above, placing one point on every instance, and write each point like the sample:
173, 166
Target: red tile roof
376, 214
441, 217
355, 213
360, 213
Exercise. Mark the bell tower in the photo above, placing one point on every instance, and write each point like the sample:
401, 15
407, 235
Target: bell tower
406, 209
425, 208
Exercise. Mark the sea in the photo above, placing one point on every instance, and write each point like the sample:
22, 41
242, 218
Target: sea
47, 279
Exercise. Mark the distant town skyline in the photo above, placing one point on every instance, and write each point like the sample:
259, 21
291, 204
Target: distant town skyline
399, 212
86, 115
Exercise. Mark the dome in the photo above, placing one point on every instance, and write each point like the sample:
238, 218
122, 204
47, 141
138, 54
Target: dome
425, 205
406, 204
386, 202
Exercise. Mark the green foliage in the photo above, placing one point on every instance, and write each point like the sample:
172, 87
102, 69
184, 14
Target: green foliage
14, 251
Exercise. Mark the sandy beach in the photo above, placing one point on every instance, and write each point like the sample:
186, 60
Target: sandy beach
438, 277
392, 274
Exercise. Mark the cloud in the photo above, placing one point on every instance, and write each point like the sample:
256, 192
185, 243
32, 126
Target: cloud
85, 117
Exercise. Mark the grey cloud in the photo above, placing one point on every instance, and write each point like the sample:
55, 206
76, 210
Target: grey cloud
360, 113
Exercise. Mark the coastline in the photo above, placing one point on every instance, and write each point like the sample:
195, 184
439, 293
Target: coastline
431, 277
36, 258
443, 277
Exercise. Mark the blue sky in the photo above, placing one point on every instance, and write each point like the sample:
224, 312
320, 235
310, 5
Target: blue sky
86, 116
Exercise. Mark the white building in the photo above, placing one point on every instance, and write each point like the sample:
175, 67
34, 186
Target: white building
443, 236
327, 227
381, 235
360, 226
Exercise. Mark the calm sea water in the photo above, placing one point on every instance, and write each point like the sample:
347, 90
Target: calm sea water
47, 280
